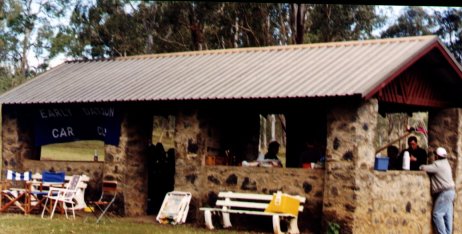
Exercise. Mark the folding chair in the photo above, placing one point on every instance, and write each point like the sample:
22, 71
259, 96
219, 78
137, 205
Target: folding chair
175, 207
63, 196
14, 197
108, 196
39, 189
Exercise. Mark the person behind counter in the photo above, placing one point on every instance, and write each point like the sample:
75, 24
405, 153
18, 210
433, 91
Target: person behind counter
311, 154
418, 156
272, 154
394, 163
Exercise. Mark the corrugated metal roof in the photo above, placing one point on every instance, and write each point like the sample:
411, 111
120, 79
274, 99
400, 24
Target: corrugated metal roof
310, 70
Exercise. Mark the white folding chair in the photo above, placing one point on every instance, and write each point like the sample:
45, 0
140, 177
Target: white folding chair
63, 196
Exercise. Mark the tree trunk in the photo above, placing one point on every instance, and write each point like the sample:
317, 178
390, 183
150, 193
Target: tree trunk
196, 29
297, 22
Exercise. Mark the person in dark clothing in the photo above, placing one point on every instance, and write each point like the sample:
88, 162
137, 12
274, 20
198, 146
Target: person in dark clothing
418, 156
394, 163
272, 154
311, 154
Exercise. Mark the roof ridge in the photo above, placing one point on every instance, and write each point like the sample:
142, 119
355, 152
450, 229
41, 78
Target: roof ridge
263, 49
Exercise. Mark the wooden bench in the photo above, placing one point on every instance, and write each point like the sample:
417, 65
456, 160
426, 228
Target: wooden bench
250, 204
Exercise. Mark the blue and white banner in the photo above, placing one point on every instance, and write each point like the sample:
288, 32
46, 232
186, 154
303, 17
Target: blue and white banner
66, 124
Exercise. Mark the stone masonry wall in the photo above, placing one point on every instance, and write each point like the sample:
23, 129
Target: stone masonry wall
126, 162
401, 203
350, 156
16, 140
360, 199
445, 129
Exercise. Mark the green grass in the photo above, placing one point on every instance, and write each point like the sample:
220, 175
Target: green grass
85, 224
73, 151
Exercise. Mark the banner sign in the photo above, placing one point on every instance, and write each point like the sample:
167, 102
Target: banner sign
66, 124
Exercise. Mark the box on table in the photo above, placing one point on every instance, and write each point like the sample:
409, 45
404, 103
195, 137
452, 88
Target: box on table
381, 163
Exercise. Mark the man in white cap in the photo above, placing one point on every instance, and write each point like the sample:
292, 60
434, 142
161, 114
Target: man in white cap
442, 188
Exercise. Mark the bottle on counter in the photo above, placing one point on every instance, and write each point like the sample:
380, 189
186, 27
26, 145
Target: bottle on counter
406, 161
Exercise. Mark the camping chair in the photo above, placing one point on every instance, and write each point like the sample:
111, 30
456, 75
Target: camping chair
63, 196
14, 196
108, 196
39, 189
174, 208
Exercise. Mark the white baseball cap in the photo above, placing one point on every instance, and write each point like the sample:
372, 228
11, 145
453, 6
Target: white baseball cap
440, 151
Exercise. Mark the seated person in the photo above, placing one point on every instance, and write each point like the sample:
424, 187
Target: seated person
311, 154
272, 154
394, 163
418, 156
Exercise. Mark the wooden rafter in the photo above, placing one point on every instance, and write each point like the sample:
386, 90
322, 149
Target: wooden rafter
411, 88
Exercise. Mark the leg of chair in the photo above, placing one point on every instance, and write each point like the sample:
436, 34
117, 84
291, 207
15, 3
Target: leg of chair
73, 210
293, 226
44, 207
276, 224
226, 220
208, 219
65, 209
54, 208
103, 212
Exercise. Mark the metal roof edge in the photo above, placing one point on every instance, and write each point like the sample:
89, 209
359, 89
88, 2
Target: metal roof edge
263, 49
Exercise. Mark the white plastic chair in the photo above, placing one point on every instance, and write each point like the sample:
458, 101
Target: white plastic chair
175, 208
63, 196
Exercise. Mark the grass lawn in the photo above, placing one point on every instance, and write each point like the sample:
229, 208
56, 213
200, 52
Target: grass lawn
73, 151
85, 224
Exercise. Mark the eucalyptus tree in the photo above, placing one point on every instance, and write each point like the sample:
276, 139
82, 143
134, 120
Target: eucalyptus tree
329, 22
414, 21
27, 27
449, 30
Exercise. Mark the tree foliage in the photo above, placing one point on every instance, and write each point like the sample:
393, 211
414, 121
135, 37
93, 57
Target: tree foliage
415, 21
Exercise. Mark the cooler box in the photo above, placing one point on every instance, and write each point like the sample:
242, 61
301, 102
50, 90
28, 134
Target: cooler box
381, 163
283, 203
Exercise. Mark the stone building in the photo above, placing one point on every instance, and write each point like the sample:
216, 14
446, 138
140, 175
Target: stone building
330, 92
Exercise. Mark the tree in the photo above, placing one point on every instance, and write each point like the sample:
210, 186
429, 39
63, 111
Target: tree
415, 21
341, 22
450, 30
28, 26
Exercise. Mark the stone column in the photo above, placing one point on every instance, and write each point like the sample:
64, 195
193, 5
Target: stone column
350, 158
17, 139
126, 163
190, 145
445, 129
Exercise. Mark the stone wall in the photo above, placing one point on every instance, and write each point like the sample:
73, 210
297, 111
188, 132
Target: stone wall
360, 199
400, 203
350, 157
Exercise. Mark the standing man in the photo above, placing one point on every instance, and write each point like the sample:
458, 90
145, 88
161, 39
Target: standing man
417, 154
442, 188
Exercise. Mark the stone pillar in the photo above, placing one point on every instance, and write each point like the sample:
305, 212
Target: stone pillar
445, 129
190, 146
350, 158
126, 163
17, 139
